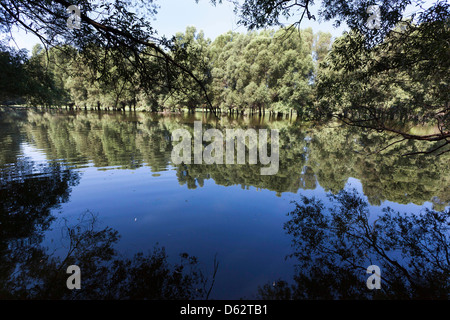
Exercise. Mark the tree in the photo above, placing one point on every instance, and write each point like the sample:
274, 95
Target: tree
42, 86
121, 29
411, 55
12, 85
256, 14
267, 71
193, 48
404, 79
29, 80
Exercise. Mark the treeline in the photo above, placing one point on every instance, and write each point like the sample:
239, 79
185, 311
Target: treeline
265, 72
286, 71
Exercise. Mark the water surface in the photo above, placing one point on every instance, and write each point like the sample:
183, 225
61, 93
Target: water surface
96, 189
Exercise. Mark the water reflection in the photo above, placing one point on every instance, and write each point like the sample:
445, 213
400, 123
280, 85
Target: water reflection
34, 273
333, 245
310, 154
334, 240
28, 193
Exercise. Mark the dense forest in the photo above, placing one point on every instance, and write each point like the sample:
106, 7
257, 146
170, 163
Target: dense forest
267, 71
378, 79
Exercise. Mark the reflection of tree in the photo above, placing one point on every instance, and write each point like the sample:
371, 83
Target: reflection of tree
10, 135
309, 153
28, 192
28, 270
334, 246
104, 274
337, 154
114, 139
287, 179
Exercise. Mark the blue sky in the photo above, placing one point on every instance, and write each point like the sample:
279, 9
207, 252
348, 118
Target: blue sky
175, 15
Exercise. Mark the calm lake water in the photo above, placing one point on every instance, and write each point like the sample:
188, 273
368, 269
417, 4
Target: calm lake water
96, 189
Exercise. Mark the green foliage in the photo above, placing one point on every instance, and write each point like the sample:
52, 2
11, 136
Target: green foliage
266, 71
12, 84
406, 75
270, 71
256, 14
192, 48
